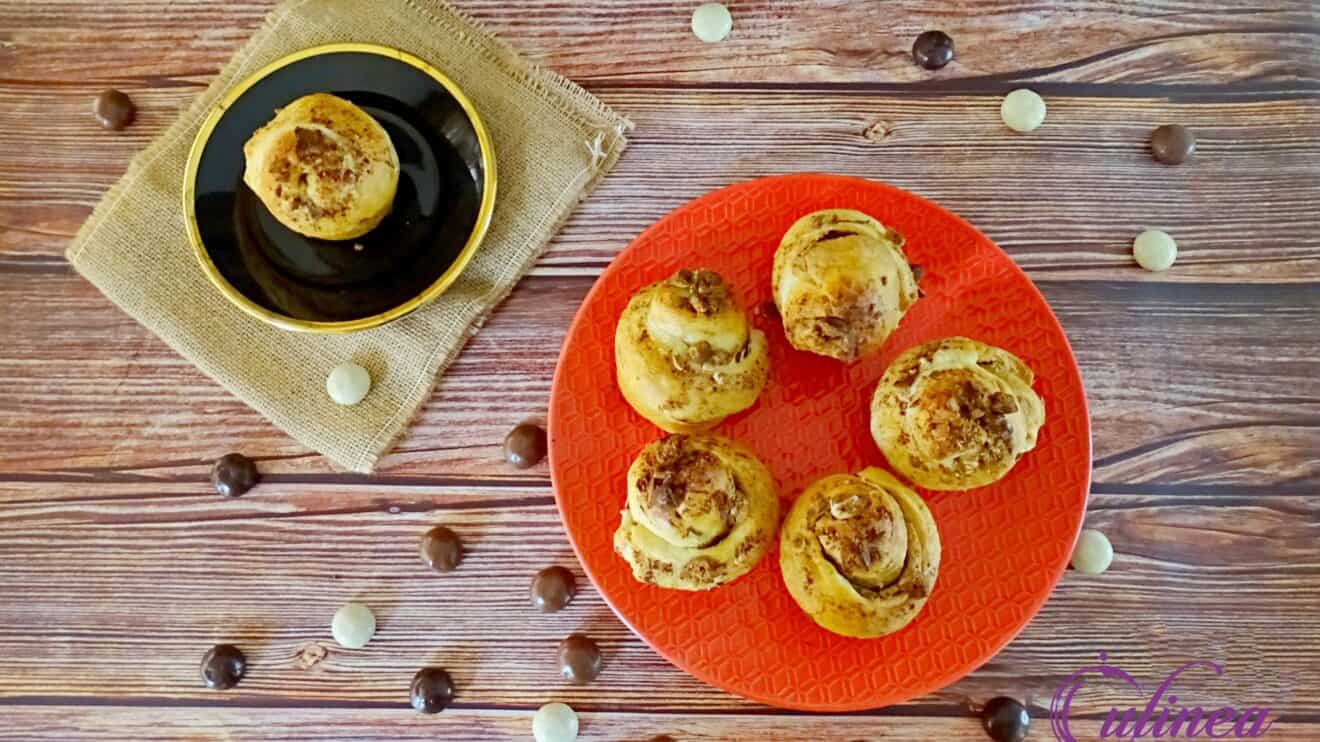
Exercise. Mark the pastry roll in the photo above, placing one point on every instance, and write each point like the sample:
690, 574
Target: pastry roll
955, 413
702, 510
324, 168
860, 554
841, 283
686, 355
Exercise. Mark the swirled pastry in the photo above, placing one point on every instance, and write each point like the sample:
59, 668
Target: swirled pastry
686, 355
955, 413
702, 510
860, 554
841, 283
324, 168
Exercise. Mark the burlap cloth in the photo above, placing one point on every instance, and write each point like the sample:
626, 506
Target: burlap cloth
553, 141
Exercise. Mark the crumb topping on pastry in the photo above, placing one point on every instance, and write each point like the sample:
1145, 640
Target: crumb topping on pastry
841, 283
704, 291
686, 354
862, 536
859, 553
323, 167
701, 511
690, 489
956, 413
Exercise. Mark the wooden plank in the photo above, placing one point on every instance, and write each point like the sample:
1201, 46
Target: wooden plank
125, 585
464, 725
1165, 42
1065, 201
456, 725
1188, 385
118, 567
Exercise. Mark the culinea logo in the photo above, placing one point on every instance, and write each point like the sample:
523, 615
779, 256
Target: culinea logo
1161, 717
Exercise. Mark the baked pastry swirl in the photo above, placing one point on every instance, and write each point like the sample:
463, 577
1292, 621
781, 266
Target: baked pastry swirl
841, 283
860, 554
956, 413
686, 355
324, 168
702, 510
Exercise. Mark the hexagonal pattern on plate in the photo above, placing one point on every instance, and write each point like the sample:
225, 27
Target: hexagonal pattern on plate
1005, 545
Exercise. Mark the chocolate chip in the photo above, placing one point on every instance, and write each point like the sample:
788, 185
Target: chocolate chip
234, 474
932, 50
918, 272
442, 549
908, 378
431, 691
1172, 144
663, 494
1005, 720
114, 110
702, 569
579, 659
525, 446
553, 588
831, 327
223, 666
707, 296
1002, 404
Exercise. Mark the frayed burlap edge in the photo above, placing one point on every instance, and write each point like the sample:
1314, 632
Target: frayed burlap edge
558, 92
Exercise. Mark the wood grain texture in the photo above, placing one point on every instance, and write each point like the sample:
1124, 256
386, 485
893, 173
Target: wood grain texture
1164, 42
1022, 191
370, 724
119, 568
1245, 416
145, 577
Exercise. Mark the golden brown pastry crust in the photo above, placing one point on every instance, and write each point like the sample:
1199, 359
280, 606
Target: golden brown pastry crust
685, 354
956, 413
702, 511
324, 168
841, 283
860, 554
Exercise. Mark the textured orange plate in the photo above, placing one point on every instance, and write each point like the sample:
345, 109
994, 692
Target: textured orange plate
1005, 545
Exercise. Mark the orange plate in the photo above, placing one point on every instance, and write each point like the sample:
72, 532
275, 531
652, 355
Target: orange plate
1005, 546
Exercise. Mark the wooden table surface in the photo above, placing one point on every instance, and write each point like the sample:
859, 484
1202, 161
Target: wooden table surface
119, 567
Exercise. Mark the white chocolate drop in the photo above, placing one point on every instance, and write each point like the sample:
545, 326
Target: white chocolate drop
1022, 110
712, 22
1093, 553
353, 626
555, 722
1155, 250
348, 384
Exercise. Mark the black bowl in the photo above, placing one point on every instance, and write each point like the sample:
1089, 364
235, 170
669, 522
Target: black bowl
441, 211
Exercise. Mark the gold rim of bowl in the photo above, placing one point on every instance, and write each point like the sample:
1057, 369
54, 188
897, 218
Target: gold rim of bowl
363, 323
